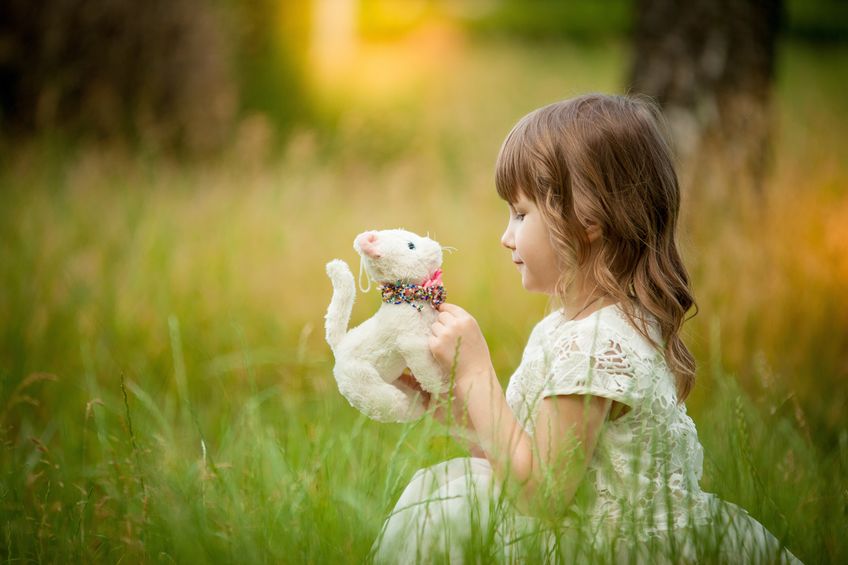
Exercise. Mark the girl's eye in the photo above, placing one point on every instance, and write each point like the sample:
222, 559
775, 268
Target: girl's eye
519, 217
411, 245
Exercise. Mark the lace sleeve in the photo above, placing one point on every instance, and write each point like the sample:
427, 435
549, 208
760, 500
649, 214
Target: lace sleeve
593, 364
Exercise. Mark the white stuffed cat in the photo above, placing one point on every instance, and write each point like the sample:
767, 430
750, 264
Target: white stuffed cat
373, 355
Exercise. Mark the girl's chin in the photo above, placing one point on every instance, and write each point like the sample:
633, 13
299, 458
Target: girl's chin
531, 286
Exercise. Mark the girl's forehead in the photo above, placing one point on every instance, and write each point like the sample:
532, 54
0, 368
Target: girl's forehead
520, 200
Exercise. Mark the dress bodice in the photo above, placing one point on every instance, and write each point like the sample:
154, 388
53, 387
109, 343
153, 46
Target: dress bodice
648, 460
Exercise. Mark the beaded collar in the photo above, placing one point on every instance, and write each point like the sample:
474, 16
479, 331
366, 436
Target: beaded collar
432, 291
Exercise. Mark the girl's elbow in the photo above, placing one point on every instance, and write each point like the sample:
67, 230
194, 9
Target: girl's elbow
522, 467
527, 479
545, 491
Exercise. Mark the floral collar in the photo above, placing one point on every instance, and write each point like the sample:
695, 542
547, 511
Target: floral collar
432, 291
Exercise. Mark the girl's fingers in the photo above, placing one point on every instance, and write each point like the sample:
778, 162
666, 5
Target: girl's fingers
408, 380
445, 316
451, 309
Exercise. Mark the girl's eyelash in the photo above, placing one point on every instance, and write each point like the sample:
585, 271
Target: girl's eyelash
518, 216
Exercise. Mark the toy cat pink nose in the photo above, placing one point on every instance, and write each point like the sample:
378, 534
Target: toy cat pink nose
367, 242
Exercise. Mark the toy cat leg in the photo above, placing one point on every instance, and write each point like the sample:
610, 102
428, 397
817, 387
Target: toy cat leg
366, 391
416, 353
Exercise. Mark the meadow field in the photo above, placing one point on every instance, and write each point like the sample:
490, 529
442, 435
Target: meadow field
166, 393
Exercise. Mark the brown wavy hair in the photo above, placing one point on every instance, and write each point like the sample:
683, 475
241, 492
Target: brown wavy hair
605, 159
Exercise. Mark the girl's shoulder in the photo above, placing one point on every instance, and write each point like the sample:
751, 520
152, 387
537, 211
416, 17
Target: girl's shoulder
606, 326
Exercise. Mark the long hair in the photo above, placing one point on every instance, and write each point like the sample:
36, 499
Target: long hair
604, 159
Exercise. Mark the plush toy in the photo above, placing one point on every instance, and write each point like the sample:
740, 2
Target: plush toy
373, 355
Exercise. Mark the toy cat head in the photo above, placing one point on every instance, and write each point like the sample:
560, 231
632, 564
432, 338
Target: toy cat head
398, 255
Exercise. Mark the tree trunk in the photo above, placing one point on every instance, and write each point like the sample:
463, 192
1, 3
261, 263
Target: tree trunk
711, 65
156, 70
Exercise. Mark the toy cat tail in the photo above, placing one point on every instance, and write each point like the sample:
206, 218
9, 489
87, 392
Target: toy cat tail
341, 305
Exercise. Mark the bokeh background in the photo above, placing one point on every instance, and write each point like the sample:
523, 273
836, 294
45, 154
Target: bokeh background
174, 175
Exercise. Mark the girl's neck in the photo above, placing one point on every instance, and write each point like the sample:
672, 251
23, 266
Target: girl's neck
582, 308
589, 297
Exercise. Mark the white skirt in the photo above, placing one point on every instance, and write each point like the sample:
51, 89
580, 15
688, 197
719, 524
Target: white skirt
453, 512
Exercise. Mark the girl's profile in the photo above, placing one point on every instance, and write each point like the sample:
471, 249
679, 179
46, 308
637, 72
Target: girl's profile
589, 453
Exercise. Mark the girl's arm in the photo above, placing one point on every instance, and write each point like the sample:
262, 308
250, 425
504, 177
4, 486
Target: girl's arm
543, 470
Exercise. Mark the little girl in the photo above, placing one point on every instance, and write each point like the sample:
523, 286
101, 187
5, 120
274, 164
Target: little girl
589, 455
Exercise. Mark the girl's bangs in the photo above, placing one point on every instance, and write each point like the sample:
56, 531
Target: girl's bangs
513, 168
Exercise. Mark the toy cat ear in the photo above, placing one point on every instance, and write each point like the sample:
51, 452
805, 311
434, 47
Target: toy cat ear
361, 271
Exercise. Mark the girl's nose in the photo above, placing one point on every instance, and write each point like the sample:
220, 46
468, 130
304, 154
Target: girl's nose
506, 240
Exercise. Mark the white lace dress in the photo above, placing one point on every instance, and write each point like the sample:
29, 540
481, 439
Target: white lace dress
643, 500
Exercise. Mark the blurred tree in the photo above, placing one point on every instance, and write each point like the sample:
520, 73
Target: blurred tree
711, 64
158, 70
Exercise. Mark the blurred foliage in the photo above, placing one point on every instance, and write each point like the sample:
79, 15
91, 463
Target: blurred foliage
539, 19
189, 74
271, 42
817, 20
579, 20
576, 20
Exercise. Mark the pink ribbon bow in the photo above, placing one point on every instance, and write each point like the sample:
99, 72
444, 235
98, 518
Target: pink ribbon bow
434, 280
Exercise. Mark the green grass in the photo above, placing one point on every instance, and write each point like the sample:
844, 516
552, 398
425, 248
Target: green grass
166, 393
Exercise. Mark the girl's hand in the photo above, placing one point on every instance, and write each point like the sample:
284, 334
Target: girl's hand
461, 427
455, 325
409, 381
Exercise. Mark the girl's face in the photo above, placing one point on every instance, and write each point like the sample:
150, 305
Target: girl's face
526, 236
